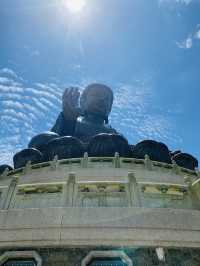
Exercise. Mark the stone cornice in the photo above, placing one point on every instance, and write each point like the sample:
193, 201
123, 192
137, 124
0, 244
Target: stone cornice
56, 227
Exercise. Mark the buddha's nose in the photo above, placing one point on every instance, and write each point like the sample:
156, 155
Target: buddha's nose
101, 101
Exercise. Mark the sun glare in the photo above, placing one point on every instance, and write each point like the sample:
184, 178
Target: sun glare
75, 6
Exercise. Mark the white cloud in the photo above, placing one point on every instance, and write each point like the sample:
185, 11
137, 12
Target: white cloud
4, 80
25, 111
4, 95
185, 2
8, 81
12, 104
8, 72
42, 93
132, 109
51, 87
7, 89
186, 44
31, 51
47, 102
32, 110
197, 35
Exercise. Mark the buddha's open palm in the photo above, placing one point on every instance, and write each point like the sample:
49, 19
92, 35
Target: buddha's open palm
70, 102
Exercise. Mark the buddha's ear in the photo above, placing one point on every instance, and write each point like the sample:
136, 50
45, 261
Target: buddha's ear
82, 101
106, 119
81, 111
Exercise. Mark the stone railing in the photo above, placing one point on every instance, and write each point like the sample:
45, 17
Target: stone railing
100, 182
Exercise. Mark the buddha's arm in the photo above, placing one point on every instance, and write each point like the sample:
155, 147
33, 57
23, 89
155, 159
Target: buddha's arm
64, 127
66, 121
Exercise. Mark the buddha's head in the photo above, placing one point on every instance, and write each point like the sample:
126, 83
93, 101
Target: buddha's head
97, 99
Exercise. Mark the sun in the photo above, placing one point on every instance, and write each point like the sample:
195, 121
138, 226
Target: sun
75, 6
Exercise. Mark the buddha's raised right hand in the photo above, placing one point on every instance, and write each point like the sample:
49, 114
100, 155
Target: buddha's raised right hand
70, 103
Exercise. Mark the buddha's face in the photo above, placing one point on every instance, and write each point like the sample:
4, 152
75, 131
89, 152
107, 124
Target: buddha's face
97, 99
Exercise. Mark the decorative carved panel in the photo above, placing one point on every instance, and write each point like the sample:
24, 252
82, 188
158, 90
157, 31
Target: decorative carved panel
102, 195
38, 195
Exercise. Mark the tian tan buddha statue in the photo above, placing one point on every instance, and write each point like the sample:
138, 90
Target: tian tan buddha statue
83, 126
88, 119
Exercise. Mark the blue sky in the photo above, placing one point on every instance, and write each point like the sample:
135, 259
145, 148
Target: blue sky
147, 51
